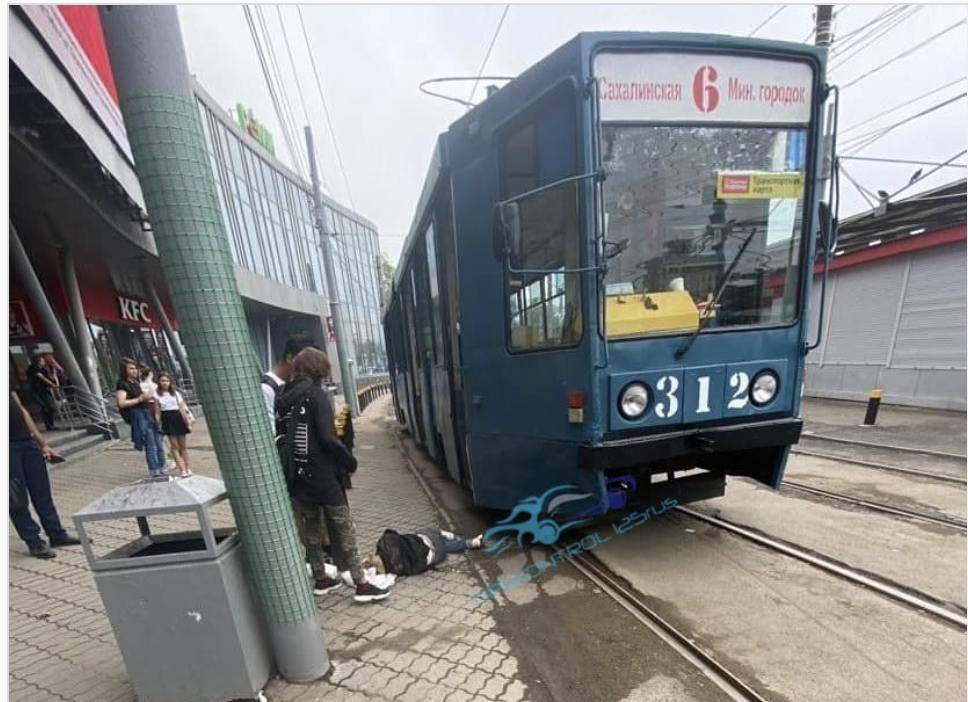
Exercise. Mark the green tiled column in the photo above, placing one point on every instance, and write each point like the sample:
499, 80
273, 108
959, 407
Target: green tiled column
165, 132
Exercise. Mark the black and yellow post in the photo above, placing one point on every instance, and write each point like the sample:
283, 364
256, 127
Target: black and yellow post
873, 403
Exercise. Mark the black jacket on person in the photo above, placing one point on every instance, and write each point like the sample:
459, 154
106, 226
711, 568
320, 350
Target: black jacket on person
403, 554
315, 460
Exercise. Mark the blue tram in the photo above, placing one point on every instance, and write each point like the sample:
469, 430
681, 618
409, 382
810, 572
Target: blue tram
605, 284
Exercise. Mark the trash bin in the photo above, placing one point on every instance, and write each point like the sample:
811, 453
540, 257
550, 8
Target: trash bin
179, 603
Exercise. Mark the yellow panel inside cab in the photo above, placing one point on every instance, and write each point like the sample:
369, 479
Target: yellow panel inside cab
650, 313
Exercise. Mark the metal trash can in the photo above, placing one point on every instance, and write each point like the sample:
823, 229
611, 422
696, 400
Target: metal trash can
179, 603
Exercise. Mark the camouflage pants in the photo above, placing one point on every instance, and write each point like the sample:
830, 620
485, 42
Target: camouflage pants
335, 525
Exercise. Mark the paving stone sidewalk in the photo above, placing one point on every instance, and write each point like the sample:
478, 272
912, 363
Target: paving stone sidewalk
425, 643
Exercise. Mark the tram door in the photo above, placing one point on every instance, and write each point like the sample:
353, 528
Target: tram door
439, 272
425, 353
413, 372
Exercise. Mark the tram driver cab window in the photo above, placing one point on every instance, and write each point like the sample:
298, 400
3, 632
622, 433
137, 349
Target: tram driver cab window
543, 297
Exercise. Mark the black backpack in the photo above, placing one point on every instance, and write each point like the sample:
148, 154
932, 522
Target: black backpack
282, 423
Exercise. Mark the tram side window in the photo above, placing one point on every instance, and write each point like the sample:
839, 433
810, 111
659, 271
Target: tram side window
543, 298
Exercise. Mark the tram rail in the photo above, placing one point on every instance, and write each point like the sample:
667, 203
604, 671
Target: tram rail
899, 593
942, 519
884, 447
629, 599
931, 475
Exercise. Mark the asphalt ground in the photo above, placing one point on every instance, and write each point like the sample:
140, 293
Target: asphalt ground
896, 426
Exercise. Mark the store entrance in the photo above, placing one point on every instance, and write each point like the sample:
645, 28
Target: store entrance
145, 346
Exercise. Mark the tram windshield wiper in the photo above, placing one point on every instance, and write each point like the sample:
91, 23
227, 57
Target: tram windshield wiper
722, 287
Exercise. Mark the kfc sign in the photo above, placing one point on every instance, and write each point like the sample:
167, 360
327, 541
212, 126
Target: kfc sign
134, 310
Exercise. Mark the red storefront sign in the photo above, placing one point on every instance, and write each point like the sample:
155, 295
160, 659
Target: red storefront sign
101, 304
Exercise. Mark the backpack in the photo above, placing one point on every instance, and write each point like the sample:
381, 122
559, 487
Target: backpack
280, 433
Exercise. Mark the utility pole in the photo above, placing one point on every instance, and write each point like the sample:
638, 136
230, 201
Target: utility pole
379, 281
164, 128
824, 35
345, 372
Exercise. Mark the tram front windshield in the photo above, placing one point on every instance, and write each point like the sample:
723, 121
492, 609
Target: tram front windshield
673, 223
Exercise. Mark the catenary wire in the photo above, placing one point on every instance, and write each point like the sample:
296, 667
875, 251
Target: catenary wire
861, 189
901, 160
849, 41
480, 72
925, 175
904, 54
265, 74
284, 94
898, 107
857, 144
295, 73
767, 20
844, 57
329, 121
887, 13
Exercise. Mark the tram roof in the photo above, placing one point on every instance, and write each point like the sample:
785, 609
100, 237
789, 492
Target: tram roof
581, 44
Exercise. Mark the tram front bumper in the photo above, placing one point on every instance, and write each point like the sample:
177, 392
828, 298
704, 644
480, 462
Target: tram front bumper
636, 451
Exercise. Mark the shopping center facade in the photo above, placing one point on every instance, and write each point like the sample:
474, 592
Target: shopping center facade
85, 280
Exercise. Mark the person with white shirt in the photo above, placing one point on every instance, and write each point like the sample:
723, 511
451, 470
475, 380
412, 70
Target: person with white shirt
175, 420
274, 380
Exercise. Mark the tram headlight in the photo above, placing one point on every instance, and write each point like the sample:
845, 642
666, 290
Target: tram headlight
764, 388
634, 401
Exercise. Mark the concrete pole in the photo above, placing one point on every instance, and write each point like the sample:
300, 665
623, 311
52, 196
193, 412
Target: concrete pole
81, 332
164, 128
20, 262
170, 332
824, 35
346, 374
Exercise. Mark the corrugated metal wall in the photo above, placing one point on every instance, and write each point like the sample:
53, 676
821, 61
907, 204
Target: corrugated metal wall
898, 324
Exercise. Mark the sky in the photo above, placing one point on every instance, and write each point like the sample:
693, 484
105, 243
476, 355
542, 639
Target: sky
370, 60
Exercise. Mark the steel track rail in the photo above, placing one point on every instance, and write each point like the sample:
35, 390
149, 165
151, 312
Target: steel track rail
889, 590
880, 466
886, 447
952, 522
629, 599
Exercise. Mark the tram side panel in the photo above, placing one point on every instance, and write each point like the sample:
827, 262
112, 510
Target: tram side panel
412, 356
517, 388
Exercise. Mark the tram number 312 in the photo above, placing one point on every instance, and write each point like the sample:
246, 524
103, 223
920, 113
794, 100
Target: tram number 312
668, 386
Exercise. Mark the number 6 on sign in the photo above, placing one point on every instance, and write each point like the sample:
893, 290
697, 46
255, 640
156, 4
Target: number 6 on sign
667, 384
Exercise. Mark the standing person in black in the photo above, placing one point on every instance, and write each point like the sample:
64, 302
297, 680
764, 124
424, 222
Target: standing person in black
28, 451
317, 464
272, 384
133, 405
42, 380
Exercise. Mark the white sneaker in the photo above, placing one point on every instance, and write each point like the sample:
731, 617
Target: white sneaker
477, 541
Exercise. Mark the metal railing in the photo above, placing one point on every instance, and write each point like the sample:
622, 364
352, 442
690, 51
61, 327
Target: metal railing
372, 391
77, 408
